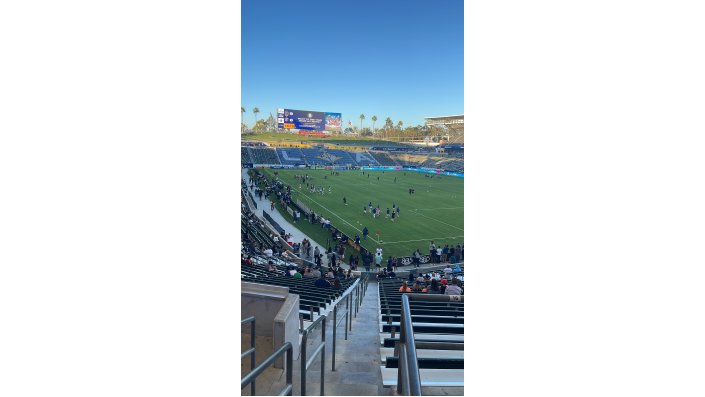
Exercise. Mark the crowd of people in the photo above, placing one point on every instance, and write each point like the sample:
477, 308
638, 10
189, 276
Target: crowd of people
433, 283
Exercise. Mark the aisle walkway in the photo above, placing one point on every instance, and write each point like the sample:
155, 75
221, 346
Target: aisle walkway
297, 235
357, 359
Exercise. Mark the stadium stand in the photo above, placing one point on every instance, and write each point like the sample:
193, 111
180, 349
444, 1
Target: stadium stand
312, 299
339, 157
384, 159
245, 153
291, 156
311, 156
326, 157
364, 159
437, 331
264, 156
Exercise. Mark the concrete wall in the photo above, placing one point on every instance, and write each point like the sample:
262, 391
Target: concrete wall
276, 314
263, 302
286, 327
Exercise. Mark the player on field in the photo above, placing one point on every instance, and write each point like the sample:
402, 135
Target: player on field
387, 212
345, 201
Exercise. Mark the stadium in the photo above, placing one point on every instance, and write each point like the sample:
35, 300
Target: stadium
352, 264
351, 177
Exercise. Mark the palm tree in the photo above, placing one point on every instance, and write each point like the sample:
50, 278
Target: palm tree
399, 124
242, 117
388, 123
362, 117
255, 111
374, 118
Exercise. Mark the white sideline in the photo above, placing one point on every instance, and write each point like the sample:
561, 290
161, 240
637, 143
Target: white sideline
434, 219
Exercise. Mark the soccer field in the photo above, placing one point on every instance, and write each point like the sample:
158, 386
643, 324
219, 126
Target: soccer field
434, 212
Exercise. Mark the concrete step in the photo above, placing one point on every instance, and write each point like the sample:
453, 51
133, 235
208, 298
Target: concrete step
423, 353
429, 377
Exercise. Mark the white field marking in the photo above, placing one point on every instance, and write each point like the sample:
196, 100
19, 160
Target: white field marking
423, 239
433, 209
434, 219
334, 214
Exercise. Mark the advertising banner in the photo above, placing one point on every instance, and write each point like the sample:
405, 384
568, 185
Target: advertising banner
308, 120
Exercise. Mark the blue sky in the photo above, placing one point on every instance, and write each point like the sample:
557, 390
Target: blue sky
390, 58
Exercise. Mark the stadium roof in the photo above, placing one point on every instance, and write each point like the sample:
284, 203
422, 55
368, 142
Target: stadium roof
445, 117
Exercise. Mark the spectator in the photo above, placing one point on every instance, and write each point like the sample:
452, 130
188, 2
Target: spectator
366, 260
268, 252
296, 275
457, 268
308, 273
434, 288
382, 274
416, 287
454, 288
336, 284
417, 258
315, 273
448, 271
271, 268
404, 287
439, 252
322, 283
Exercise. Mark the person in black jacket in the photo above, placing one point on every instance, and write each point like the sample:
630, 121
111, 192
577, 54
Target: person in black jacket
322, 282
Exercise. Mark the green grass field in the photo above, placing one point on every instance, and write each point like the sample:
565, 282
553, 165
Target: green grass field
434, 212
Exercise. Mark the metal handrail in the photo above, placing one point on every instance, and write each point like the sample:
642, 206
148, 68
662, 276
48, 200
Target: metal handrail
251, 351
306, 363
408, 375
348, 316
289, 388
436, 298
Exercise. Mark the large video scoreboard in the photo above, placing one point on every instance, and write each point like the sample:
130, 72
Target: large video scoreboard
309, 120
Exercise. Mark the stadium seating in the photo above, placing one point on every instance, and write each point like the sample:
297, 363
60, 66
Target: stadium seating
328, 157
245, 153
384, 159
364, 159
438, 333
291, 156
311, 156
341, 157
264, 156
312, 299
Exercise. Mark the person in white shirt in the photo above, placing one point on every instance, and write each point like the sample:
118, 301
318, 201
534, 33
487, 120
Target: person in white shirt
439, 252
268, 252
454, 288
448, 271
